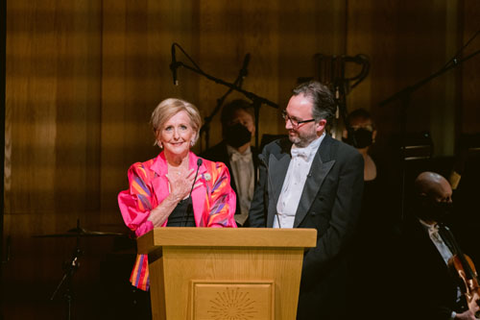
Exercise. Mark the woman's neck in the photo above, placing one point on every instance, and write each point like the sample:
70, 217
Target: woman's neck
175, 160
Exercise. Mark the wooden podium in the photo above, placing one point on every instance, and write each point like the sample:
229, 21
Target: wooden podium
225, 273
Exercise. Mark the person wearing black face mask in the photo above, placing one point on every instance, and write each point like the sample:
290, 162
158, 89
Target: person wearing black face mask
433, 198
364, 134
236, 151
376, 230
429, 289
363, 137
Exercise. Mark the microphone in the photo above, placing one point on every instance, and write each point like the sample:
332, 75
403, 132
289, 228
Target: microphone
173, 66
244, 70
199, 163
263, 160
190, 206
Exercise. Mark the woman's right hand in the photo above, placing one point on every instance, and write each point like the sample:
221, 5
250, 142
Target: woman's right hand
180, 184
467, 315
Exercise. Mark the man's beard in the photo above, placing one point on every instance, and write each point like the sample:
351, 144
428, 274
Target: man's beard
301, 140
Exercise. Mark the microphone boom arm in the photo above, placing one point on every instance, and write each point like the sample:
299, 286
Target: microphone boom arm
206, 126
256, 100
250, 95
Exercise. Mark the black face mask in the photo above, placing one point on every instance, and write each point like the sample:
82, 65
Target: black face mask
237, 135
437, 211
363, 138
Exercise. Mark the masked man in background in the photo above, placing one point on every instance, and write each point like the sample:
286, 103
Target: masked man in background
362, 137
236, 152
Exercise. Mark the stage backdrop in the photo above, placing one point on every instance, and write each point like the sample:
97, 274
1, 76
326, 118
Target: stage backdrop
84, 76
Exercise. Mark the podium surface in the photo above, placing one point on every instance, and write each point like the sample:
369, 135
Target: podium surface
225, 273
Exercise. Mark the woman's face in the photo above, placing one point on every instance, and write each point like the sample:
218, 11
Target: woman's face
176, 134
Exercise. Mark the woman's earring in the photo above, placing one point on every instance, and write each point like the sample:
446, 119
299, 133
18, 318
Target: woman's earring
160, 144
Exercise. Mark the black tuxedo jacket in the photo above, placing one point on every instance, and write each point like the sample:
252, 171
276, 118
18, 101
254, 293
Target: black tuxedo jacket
219, 153
330, 203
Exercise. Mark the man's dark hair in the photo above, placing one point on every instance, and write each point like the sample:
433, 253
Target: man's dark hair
324, 106
360, 113
229, 110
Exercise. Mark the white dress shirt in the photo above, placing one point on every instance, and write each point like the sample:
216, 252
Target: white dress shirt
442, 248
437, 240
294, 182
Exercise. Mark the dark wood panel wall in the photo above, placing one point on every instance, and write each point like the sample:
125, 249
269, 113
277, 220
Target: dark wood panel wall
83, 77
469, 97
407, 42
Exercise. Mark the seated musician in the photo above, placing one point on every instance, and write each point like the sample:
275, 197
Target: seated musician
430, 288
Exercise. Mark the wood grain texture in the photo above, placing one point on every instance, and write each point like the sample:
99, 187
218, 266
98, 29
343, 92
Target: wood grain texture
224, 300
238, 259
227, 237
470, 95
83, 77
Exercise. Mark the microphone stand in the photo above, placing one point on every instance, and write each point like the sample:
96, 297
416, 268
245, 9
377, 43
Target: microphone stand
333, 75
404, 96
411, 89
340, 97
70, 270
206, 126
256, 100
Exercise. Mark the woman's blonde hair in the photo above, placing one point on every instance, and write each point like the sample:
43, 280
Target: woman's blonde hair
170, 107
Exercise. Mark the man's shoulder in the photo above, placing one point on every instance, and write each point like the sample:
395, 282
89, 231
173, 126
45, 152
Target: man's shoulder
280, 145
341, 148
215, 153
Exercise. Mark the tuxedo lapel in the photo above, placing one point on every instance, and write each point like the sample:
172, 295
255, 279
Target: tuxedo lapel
321, 165
278, 166
226, 159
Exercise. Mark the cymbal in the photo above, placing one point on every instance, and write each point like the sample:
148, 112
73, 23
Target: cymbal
80, 232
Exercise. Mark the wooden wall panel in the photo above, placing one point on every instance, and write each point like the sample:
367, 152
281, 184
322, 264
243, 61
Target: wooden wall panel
76, 101
83, 78
136, 37
53, 105
227, 32
406, 45
281, 49
261, 38
30, 137
470, 111
52, 149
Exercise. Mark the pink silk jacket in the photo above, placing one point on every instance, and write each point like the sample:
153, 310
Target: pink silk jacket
213, 201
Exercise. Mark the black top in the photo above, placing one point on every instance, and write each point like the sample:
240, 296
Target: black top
182, 215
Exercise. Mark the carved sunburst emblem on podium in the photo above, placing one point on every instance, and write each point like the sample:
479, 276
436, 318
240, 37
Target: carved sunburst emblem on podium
232, 304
